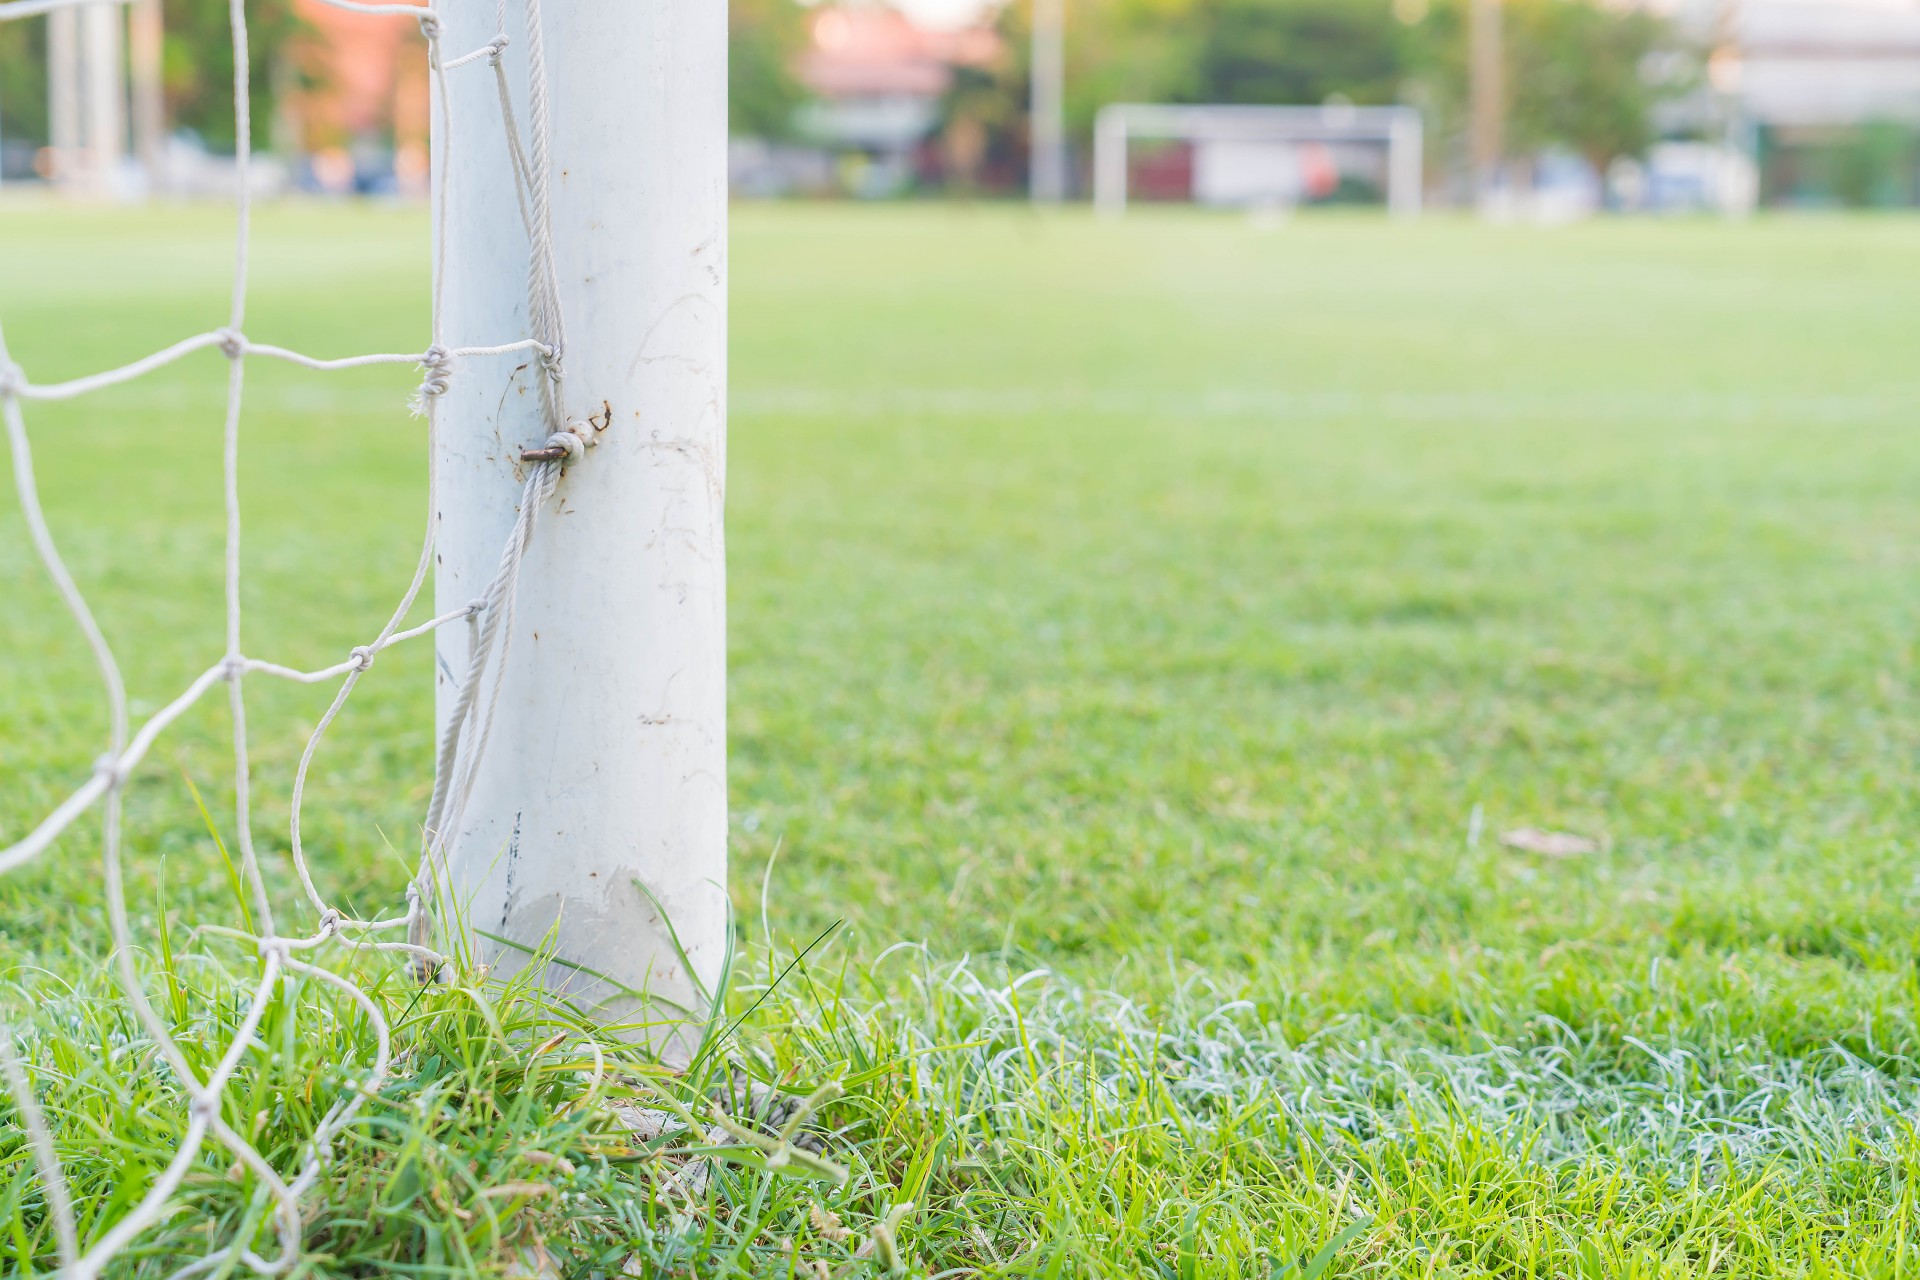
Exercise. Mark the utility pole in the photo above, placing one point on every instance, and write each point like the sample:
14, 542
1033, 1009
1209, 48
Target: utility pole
1487, 63
63, 95
86, 98
145, 60
1047, 181
104, 92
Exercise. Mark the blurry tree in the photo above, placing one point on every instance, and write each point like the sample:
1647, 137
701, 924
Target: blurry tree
1575, 67
763, 37
1875, 168
1575, 74
198, 72
23, 79
199, 65
1117, 50
1297, 51
1251, 51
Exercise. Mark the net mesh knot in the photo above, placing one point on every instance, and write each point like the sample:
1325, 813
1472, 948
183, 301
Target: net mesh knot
362, 657
112, 769
13, 379
233, 343
552, 357
438, 363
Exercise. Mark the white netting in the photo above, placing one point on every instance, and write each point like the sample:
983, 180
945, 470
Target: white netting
461, 746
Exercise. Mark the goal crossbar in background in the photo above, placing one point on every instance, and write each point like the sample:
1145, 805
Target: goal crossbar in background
452, 368
1120, 124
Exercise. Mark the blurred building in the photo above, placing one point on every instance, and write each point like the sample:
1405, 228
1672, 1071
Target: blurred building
1819, 98
362, 126
877, 80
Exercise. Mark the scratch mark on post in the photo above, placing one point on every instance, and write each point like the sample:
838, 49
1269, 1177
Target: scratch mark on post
513, 862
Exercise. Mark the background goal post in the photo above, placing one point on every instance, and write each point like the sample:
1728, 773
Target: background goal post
1399, 129
597, 817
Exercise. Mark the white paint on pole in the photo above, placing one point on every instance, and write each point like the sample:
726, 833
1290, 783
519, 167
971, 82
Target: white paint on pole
63, 94
86, 98
1047, 181
1406, 163
599, 818
104, 95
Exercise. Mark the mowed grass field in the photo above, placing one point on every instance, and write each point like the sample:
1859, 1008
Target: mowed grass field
1142, 636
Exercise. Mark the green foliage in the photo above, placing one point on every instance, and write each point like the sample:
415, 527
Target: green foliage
23, 79
1575, 74
1139, 654
1879, 166
1574, 66
1300, 51
1577, 78
762, 93
198, 71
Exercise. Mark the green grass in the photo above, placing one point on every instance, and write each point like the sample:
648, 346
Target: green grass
1133, 620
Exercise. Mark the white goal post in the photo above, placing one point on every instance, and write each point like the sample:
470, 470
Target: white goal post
597, 823
574, 401
1398, 128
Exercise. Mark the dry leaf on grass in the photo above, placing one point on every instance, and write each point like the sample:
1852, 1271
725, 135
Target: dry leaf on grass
1551, 844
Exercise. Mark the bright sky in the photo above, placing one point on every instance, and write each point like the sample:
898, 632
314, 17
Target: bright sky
943, 13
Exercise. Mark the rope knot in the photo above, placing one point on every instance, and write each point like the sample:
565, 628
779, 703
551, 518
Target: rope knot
430, 25
362, 656
330, 922
496, 47
563, 447
476, 606
233, 667
233, 343
113, 769
550, 360
437, 363
13, 379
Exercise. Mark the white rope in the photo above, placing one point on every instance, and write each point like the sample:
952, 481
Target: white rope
490, 50
230, 342
277, 1197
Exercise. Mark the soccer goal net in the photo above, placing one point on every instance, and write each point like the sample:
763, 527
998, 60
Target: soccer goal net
1256, 156
604, 302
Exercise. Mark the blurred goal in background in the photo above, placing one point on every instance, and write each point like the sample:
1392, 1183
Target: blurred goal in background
1265, 156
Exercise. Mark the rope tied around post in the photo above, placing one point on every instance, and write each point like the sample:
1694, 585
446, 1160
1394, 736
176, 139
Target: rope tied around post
563, 447
436, 364
489, 622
